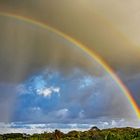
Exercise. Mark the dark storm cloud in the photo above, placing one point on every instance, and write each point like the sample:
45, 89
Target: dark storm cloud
80, 19
27, 48
83, 21
132, 82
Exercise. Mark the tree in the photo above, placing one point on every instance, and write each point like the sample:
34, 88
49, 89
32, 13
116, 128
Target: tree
58, 134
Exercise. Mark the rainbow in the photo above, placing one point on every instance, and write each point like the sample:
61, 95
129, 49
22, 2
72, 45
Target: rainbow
92, 54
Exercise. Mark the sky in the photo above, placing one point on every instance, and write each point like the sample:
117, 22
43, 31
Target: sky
114, 35
47, 82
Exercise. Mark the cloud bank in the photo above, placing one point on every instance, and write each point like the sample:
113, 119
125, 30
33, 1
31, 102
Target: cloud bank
75, 98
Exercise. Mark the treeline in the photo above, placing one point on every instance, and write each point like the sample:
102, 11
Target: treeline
93, 134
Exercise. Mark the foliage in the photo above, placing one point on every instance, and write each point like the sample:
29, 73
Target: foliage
92, 134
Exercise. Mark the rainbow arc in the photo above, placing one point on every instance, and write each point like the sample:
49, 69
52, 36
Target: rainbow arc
90, 53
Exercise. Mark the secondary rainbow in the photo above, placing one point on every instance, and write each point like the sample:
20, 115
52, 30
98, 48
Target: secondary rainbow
81, 46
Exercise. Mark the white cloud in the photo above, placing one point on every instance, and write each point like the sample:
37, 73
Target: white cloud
113, 123
47, 92
36, 108
62, 113
40, 128
87, 81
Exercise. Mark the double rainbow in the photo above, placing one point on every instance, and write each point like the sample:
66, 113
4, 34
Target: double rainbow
92, 54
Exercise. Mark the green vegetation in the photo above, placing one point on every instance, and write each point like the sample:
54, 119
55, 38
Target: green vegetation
93, 134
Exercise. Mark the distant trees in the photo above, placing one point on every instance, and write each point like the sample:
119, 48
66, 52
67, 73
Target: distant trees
95, 128
58, 134
93, 134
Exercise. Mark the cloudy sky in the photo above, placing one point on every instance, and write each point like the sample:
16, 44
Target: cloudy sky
48, 82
